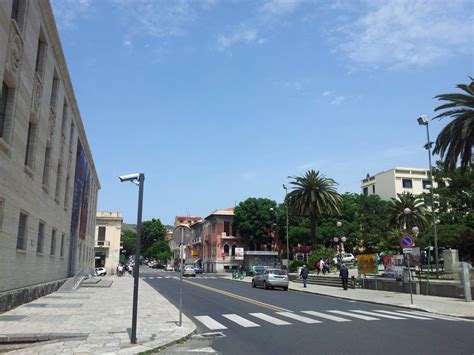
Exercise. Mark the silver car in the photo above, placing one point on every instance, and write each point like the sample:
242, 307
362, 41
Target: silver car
271, 278
189, 271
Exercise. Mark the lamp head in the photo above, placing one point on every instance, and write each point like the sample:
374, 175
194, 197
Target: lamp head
129, 177
422, 120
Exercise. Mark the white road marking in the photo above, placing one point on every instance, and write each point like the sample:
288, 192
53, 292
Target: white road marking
327, 316
202, 350
404, 315
359, 316
210, 323
269, 319
378, 314
240, 320
298, 317
431, 315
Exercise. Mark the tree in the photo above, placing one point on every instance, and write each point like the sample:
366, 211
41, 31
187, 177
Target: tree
417, 216
313, 195
255, 221
159, 250
128, 241
152, 231
456, 140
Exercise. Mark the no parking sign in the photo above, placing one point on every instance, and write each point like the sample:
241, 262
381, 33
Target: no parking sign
407, 241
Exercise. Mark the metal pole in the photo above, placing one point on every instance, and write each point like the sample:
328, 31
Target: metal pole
141, 181
429, 270
433, 212
181, 279
409, 278
287, 238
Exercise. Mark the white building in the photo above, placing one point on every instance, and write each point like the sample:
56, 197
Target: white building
107, 240
48, 181
387, 184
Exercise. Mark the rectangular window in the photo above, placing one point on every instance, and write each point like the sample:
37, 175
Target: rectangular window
101, 235
47, 165
18, 12
15, 7
54, 92
53, 242
366, 191
40, 55
3, 108
61, 251
30, 145
58, 182
426, 184
71, 136
407, 183
64, 118
40, 243
227, 228
22, 231
80, 252
373, 189
66, 194
2, 205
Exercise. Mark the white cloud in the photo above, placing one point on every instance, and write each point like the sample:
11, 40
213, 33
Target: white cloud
242, 35
327, 93
408, 32
279, 7
68, 12
127, 43
338, 100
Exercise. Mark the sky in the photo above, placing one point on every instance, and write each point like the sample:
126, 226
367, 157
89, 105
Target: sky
216, 101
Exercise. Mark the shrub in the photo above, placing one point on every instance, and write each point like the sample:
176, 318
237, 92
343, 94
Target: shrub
295, 264
321, 253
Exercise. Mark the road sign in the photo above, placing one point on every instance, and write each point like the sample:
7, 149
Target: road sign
407, 241
408, 250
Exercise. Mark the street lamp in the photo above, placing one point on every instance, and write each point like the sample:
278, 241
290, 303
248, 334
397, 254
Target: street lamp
423, 121
341, 238
138, 179
183, 228
285, 187
406, 212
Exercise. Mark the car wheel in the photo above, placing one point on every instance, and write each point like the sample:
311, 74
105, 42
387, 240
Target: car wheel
253, 284
265, 285
285, 288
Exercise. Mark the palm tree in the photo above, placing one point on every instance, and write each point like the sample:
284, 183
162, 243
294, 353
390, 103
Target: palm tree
313, 194
417, 216
457, 138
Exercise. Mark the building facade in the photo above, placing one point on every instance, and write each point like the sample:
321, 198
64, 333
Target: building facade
108, 244
48, 182
387, 184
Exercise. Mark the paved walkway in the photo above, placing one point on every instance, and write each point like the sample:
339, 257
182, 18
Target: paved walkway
95, 320
440, 305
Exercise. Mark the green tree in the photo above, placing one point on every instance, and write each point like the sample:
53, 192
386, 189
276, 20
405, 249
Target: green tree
456, 140
128, 241
313, 195
159, 251
417, 216
152, 231
255, 221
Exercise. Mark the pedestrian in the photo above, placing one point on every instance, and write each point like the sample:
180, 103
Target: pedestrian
344, 275
120, 270
304, 274
318, 266
322, 266
326, 266
130, 269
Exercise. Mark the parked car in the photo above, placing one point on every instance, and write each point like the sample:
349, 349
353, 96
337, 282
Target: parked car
271, 278
189, 271
348, 258
100, 271
198, 269
169, 268
158, 266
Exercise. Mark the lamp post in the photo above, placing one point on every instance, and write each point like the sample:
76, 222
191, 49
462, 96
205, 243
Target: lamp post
183, 228
342, 239
287, 239
406, 212
138, 179
423, 121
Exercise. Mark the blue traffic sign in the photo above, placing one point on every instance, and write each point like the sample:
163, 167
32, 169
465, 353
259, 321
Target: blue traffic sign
407, 241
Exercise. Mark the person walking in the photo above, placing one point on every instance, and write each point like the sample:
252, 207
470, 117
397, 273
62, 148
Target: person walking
304, 274
344, 275
322, 266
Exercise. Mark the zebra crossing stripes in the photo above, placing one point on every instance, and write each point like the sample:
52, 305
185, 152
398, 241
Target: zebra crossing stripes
210, 323
377, 314
298, 317
359, 316
240, 320
327, 316
404, 315
270, 319
437, 316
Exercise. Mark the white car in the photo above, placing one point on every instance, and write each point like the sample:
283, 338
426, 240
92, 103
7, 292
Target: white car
169, 268
100, 271
189, 271
348, 258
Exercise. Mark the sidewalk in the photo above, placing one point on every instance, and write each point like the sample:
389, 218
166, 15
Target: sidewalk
440, 305
94, 320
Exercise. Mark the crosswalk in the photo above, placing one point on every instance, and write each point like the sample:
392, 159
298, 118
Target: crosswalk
175, 277
252, 320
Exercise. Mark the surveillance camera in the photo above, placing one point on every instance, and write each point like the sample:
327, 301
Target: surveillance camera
129, 177
422, 120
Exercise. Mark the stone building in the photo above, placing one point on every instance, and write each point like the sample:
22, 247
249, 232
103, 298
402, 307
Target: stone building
48, 182
107, 240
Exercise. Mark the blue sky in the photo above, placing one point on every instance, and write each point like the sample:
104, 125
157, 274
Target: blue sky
220, 100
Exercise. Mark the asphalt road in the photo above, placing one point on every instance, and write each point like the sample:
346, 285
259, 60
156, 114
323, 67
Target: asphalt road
258, 321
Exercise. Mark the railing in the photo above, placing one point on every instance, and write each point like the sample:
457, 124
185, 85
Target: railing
102, 243
80, 276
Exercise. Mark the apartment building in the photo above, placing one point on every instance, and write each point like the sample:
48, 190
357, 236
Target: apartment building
108, 245
387, 184
48, 181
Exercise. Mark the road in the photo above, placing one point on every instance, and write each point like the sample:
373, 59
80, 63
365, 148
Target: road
234, 318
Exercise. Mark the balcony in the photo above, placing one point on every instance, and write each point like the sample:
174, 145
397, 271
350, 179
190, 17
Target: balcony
196, 241
227, 237
102, 243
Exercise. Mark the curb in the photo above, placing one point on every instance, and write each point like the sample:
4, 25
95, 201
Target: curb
167, 345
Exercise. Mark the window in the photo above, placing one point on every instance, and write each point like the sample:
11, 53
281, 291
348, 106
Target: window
64, 118
80, 252
22, 231
3, 108
233, 250
30, 144
40, 55
15, 7
426, 184
71, 135
2, 204
407, 183
227, 228
61, 250
18, 12
373, 189
226, 249
58, 182
40, 243
66, 194
47, 165
53, 243
366, 191
101, 233
54, 92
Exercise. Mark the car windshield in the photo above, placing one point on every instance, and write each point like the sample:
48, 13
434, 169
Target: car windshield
276, 272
